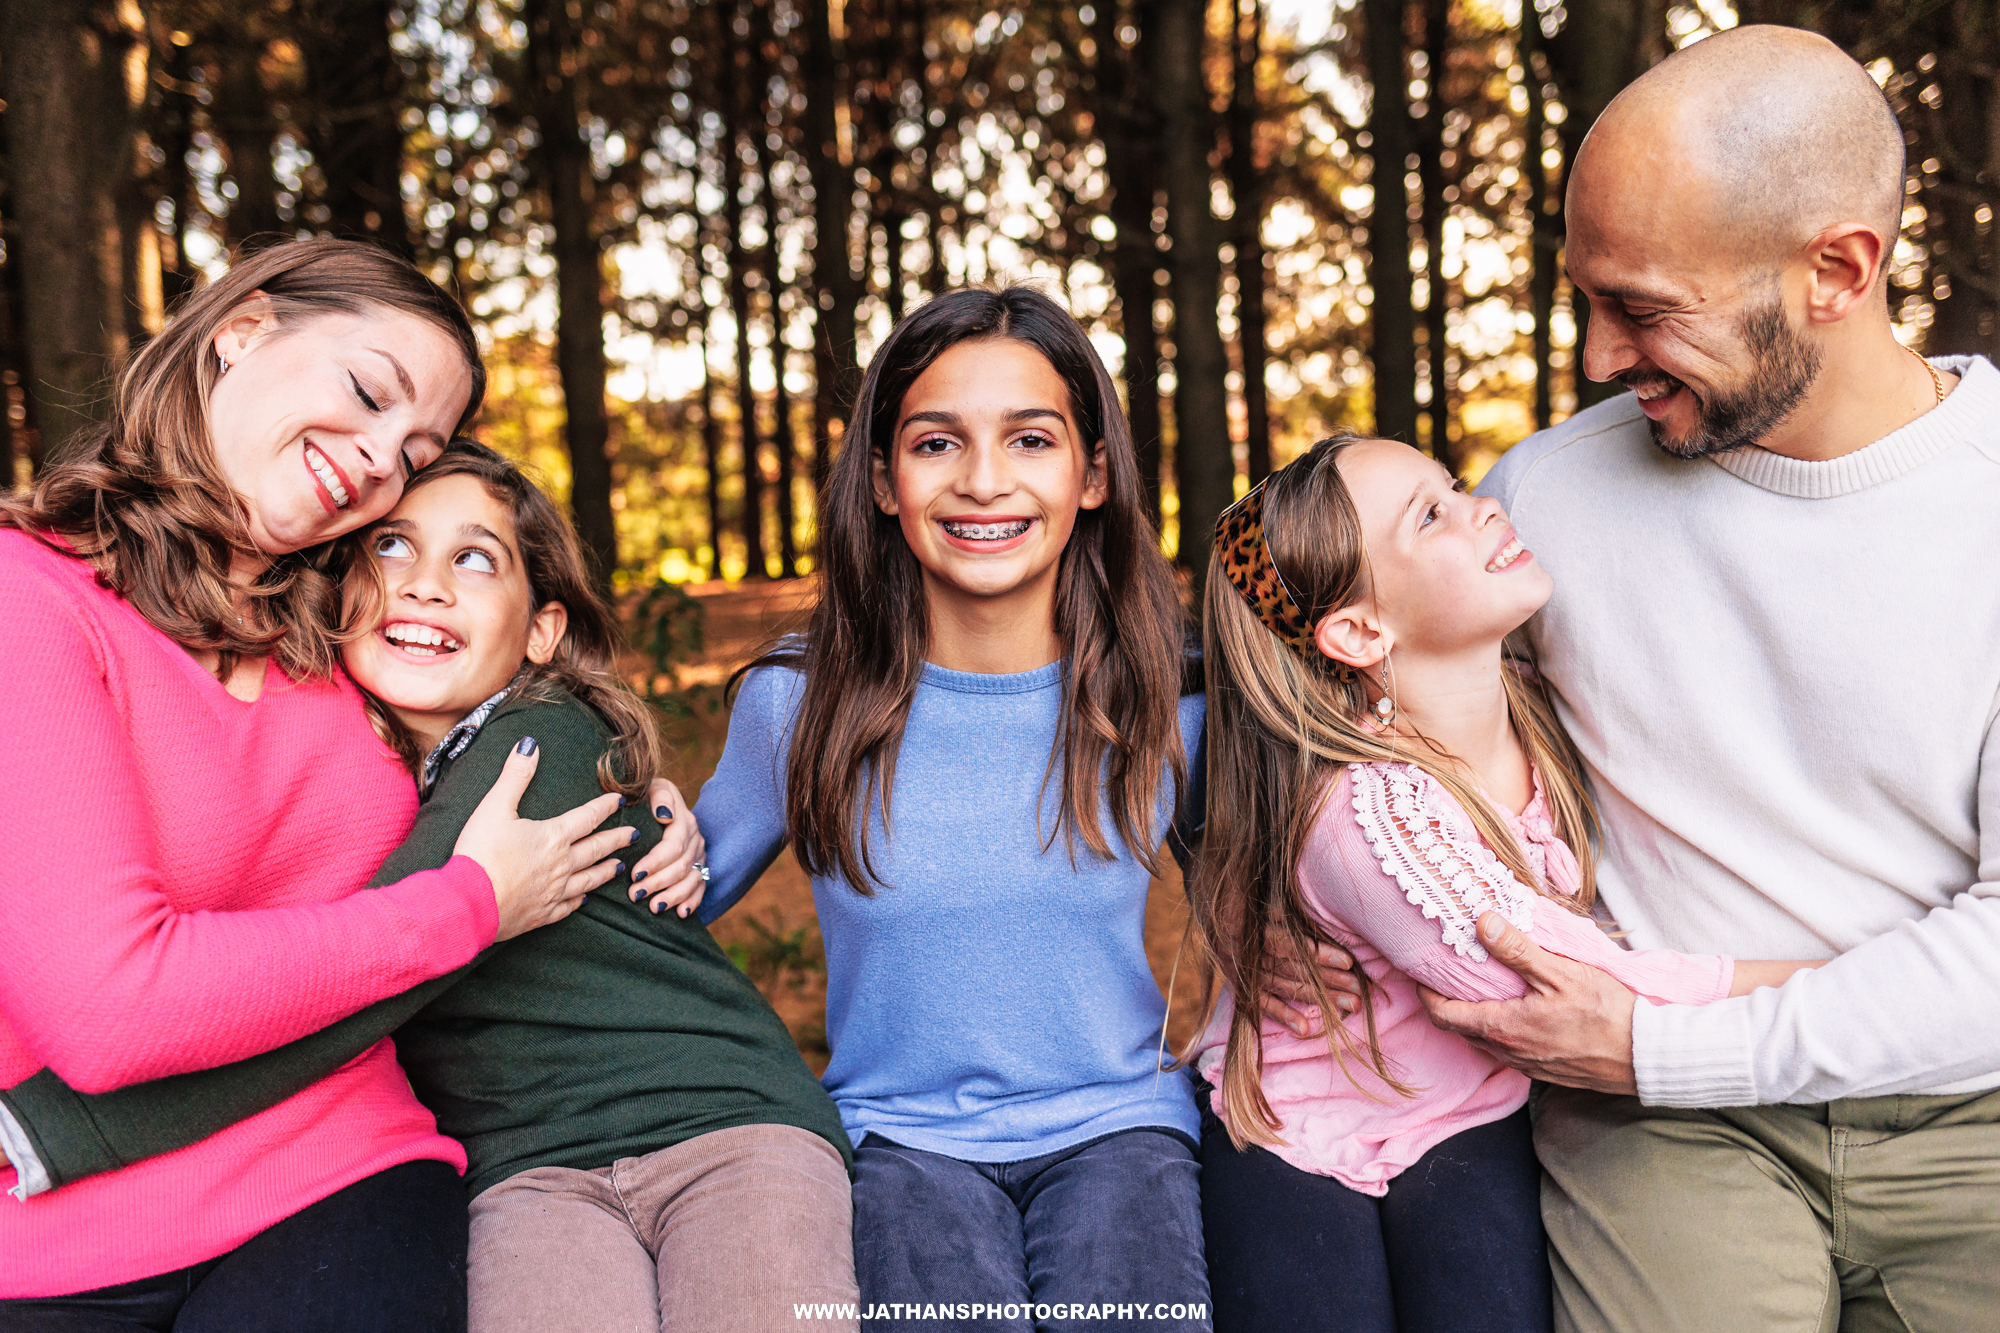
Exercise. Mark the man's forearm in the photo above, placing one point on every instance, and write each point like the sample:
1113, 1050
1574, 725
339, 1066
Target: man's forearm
1916, 1009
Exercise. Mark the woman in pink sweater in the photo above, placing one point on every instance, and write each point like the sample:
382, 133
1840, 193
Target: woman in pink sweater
190, 798
1380, 778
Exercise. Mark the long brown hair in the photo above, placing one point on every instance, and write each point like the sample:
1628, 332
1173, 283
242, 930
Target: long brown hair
1280, 728
586, 658
145, 502
1117, 614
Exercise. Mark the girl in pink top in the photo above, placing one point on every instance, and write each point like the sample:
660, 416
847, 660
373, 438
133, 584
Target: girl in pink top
190, 797
1379, 778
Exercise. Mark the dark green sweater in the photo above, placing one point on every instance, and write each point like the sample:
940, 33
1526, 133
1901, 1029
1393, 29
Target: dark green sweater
612, 1033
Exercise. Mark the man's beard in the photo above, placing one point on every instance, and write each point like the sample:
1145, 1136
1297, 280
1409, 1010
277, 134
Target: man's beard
1783, 367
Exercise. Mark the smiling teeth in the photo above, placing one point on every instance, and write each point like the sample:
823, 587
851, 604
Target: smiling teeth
327, 477
1508, 555
421, 639
986, 532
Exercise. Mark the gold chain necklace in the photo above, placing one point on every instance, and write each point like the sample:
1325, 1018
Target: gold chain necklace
1937, 383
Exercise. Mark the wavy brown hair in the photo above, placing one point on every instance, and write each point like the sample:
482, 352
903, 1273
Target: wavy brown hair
586, 657
1280, 728
1117, 612
145, 502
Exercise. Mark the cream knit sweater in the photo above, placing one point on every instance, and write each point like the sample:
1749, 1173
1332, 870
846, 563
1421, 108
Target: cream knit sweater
1783, 677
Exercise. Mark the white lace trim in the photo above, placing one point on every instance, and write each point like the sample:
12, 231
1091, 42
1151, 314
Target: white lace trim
1445, 871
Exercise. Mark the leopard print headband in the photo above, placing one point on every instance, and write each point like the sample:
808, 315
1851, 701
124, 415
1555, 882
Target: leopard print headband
1246, 561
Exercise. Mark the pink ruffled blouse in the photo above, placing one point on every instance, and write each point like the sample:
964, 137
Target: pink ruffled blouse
1398, 874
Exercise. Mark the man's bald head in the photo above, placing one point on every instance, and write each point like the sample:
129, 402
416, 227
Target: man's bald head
1761, 136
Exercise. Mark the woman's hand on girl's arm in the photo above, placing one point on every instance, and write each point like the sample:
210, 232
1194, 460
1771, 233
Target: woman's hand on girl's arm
671, 871
1757, 972
541, 869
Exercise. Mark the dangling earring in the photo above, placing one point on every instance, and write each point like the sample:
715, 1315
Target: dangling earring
1385, 707
223, 362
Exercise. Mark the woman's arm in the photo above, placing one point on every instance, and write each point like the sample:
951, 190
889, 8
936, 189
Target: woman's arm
76, 1135
107, 982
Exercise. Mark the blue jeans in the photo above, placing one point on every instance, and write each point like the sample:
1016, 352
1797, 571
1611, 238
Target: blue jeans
1113, 1222
1455, 1246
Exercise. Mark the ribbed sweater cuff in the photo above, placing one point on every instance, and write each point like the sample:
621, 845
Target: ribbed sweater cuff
1693, 1055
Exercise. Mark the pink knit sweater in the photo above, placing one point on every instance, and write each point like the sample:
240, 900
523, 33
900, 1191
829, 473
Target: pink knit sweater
1395, 870
181, 891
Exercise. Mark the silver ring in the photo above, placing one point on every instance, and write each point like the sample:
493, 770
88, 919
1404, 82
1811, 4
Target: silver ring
702, 866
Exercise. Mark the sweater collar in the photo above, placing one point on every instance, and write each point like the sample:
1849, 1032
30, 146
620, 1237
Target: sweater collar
979, 682
460, 737
1964, 416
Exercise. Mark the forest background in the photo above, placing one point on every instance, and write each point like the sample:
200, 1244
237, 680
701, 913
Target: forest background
682, 226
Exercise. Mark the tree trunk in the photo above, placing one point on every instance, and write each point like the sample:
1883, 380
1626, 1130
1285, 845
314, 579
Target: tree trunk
711, 448
740, 259
138, 231
1246, 186
1963, 132
69, 148
835, 289
1602, 46
1543, 236
354, 89
241, 114
174, 134
781, 399
565, 168
1127, 125
1204, 469
1430, 171
1392, 139
16, 438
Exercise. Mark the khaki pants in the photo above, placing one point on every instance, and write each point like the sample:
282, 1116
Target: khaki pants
1858, 1216
721, 1234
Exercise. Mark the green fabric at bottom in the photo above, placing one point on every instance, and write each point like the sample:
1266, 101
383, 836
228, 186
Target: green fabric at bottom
1868, 1215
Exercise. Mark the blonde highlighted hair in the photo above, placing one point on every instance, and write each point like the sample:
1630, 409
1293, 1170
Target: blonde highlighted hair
1281, 725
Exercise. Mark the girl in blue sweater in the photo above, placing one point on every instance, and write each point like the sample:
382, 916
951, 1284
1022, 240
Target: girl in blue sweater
978, 749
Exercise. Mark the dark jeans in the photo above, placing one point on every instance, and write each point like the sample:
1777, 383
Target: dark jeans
1455, 1246
384, 1255
1116, 1221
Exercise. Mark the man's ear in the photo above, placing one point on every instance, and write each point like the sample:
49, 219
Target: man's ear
1844, 265
885, 488
255, 317
1095, 489
1352, 636
545, 631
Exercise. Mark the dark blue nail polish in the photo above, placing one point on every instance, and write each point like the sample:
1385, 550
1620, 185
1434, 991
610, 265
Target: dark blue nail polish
526, 746
634, 895
634, 838
664, 813
641, 875
621, 803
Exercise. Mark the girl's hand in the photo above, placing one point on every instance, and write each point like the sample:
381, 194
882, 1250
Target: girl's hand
541, 868
1752, 973
1288, 994
670, 875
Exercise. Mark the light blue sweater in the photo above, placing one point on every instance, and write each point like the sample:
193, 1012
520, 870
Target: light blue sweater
991, 1001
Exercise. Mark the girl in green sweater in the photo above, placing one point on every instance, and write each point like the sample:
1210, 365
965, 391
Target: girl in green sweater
645, 1148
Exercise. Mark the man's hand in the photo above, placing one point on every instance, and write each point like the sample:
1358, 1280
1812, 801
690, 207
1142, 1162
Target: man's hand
1288, 996
1574, 1026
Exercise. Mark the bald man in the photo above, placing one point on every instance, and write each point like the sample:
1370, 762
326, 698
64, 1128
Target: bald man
1775, 638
